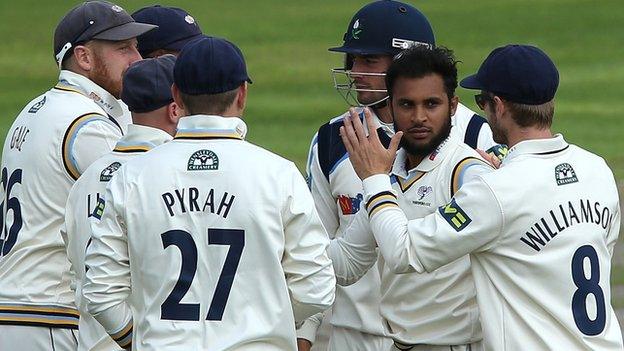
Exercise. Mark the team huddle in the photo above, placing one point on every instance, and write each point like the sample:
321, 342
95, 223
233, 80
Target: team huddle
422, 226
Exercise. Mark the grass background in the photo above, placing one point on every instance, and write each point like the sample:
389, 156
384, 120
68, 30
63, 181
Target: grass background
285, 43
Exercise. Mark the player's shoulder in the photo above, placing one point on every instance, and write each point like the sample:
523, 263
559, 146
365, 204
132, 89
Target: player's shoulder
72, 102
264, 156
103, 168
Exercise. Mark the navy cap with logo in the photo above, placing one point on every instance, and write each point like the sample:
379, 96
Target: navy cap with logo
94, 20
210, 66
386, 27
176, 28
518, 73
147, 84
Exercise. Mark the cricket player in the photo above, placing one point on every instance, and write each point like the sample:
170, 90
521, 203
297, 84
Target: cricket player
51, 142
219, 237
176, 28
377, 32
147, 92
540, 230
422, 311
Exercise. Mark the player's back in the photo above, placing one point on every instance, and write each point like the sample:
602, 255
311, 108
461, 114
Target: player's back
35, 183
209, 261
545, 284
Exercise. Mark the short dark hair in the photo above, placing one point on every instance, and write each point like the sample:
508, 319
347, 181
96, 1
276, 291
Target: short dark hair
420, 61
540, 116
208, 104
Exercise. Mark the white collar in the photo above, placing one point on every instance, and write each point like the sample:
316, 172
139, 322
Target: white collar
85, 86
141, 138
211, 126
537, 147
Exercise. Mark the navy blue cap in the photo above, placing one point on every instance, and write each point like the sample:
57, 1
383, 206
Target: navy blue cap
518, 73
176, 28
386, 27
147, 84
210, 66
94, 20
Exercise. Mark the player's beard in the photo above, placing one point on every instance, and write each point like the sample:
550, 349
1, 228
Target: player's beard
424, 150
102, 76
498, 134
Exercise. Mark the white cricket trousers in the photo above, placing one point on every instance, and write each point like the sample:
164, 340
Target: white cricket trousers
344, 339
18, 337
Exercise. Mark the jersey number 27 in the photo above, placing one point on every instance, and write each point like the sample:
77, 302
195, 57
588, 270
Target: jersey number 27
172, 309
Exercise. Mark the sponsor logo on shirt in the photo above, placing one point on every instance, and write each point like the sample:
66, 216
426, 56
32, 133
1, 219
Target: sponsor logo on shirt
564, 174
423, 191
455, 216
37, 106
99, 209
203, 160
350, 205
107, 173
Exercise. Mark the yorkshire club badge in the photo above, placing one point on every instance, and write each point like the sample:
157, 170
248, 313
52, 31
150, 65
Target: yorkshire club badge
564, 174
203, 160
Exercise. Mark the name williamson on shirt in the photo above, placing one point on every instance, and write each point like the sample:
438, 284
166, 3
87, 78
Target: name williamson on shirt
190, 200
563, 217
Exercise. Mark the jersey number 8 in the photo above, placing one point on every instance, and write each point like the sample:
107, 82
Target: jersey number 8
172, 309
587, 286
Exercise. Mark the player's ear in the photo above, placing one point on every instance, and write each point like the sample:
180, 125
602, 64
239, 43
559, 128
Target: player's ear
498, 106
241, 97
83, 57
174, 112
177, 98
453, 104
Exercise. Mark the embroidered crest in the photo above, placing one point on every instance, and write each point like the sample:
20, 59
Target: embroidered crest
107, 173
564, 174
203, 160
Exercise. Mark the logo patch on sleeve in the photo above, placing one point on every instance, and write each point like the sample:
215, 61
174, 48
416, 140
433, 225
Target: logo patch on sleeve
99, 209
455, 216
107, 173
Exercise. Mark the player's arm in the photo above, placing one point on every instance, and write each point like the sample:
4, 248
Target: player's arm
327, 209
87, 139
472, 221
306, 332
308, 270
324, 201
68, 226
107, 283
355, 252
614, 230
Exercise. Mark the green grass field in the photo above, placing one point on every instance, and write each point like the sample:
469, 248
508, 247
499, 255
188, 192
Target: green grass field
285, 44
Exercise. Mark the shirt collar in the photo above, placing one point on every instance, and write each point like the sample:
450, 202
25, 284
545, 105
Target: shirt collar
211, 127
141, 138
77, 82
537, 147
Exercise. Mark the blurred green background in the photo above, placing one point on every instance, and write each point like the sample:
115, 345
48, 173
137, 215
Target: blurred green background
285, 44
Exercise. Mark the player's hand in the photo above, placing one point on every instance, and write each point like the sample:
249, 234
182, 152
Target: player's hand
490, 158
303, 345
367, 154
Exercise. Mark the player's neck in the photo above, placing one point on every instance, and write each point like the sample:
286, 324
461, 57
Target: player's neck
384, 114
530, 133
412, 160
